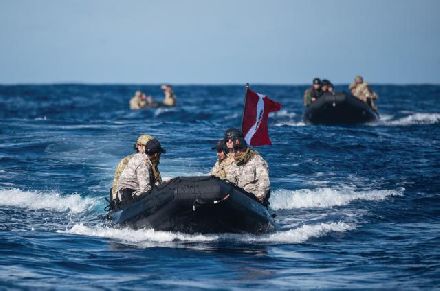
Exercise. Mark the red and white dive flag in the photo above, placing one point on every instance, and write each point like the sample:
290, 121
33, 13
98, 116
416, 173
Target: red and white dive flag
255, 118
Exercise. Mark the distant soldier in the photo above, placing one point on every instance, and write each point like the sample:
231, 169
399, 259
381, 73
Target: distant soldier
327, 87
169, 96
140, 100
362, 91
313, 93
249, 170
138, 173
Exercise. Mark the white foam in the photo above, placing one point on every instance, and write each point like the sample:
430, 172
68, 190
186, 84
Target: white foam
160, 111
151, 238
140, 236
284, 113
417, 118
290, 123
386, 117
46, 200
232, 116
305, 232
325, 197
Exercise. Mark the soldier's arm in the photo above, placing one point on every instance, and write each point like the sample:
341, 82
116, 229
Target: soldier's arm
232, 174
215, 168
118, 171
262, 179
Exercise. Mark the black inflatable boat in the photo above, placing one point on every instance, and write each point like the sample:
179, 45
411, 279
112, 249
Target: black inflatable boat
196, 205
339, 109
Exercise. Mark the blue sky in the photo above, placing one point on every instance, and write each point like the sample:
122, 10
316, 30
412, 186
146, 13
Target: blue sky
219, 41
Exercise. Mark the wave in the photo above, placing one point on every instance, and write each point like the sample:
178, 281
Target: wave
290, 123
284, 113
160, 111
139, 236
73, 203
306, 232
152, 238
414, 119
325, 197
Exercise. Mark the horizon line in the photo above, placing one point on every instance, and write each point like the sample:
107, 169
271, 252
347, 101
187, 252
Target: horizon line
197, 84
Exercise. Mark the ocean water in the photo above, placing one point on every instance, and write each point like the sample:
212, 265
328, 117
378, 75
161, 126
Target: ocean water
357, 206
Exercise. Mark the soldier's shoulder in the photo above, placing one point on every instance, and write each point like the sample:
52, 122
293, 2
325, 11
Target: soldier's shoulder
124, 160
137, 157
258, 158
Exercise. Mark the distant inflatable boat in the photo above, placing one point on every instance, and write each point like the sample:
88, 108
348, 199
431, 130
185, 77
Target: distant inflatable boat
157, 105
196, 205
339, 109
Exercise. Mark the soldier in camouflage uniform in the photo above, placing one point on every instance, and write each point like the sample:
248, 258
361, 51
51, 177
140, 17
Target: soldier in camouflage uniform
224, 160
139, 172
361, 90
169, 96
327, 88
249, 170
140, 100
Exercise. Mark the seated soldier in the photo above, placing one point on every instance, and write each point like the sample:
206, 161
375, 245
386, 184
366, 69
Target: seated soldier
217, 169
169, 96
223, 160
313, 93
140, 100
363, 92
327, 87
249, 170
138, 173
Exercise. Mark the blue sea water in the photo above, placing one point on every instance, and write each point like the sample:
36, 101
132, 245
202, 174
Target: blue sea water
357, 206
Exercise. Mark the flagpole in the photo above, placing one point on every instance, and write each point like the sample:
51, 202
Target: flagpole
244, 104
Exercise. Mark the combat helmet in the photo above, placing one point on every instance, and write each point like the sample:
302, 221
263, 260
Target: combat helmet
143, 139
232, 133
154, 147
237, 137
317, 81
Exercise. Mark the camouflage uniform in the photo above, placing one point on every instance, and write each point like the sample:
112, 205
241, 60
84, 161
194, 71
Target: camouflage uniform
251, 173
137, 175
119, 168
364, 93
221, 166
137, 103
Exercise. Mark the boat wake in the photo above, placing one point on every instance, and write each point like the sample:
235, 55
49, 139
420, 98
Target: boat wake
412, 119
326, 197
385, 119
294, 229
145, 238
53, 201
290, 123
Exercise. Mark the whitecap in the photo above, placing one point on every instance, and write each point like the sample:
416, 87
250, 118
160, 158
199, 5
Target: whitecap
73, 203
153, 238
160, 111
284, 113
417, 118
290, 123
139, 236
325, 197
305, 232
